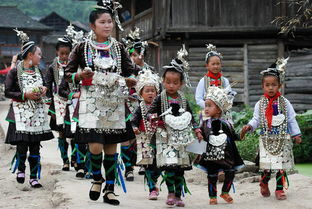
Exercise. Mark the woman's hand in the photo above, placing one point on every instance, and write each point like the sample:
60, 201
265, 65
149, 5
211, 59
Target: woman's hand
131, 82
32, 95
244, 130
43, 91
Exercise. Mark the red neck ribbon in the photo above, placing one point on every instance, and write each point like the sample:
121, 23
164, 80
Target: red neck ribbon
269, 110
216, 78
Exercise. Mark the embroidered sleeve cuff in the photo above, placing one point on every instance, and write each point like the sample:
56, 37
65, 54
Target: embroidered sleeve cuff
296, 135
70, 96
23, 96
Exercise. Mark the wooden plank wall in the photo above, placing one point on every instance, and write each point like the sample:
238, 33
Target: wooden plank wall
232, 66
298, 82
223, 13
260, 57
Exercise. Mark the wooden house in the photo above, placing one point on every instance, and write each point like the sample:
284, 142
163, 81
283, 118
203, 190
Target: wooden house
11, 17
241, 30
58, 25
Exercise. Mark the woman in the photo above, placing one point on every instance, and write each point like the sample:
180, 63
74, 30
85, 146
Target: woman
28, 121
101, 113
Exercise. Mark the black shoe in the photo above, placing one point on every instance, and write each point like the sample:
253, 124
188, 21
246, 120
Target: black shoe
94, 195
80, 173
129, 176
34, 183
20, 177
65, 167
109, 197
142, 171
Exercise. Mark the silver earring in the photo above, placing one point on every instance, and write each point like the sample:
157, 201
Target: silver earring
30, 63
93, 35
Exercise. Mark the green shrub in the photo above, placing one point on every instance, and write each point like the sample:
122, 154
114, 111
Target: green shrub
248, 148
303, 151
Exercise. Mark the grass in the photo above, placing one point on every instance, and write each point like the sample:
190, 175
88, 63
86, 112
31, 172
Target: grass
304, 169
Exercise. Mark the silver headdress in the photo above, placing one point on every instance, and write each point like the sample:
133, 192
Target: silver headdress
212, 51
147, 77
111, 6
222, 97
25, 41
133, 41
72, 36
181, 65
278, 71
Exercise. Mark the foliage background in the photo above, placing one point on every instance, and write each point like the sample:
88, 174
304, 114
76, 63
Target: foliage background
69, 9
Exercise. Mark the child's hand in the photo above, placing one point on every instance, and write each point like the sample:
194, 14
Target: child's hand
244, 130
297, 139
76, 95
136, 131
131, 82
43, 90
199, 135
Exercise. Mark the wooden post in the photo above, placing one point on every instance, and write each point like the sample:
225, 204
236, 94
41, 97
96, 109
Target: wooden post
133, 14
246, 73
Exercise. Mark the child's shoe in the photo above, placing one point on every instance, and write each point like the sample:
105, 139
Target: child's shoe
280, 195
264, 189
170, 199
179, 202
20, 177
65, 167
34, 183
213, 201
80, 174
153, 195
227, 198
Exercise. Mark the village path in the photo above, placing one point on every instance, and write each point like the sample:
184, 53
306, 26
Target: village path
62, 190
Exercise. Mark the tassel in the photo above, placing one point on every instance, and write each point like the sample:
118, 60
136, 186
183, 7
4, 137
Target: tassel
16, 159
120, 168
233, 187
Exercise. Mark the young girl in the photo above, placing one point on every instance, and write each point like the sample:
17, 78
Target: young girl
221, 152
136, 49
28, 119
213, 77
101, 115
175, 124
277, 120
147, 87
57, 108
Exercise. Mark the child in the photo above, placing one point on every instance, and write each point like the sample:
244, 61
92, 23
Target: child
221, 152
147, 87
136, 49
28, 119
277, 119
57, 108
174, 132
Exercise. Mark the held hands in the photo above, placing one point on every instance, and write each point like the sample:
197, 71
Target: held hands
199, 135
244, 130
297, 139
76, 95
131, 82
136, 131
86, 74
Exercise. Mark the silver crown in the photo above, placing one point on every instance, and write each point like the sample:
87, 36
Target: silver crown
212, 51
22, 36
75, 36
147, 77
222, 97
280, 69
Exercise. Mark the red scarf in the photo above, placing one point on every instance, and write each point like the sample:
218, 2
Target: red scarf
269, 110
216, 78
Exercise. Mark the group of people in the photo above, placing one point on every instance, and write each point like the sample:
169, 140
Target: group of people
101, 93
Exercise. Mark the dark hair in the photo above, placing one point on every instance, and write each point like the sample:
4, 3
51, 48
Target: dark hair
273, 73
60, 44
175, 71
212, 56
94, 15
32, 49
